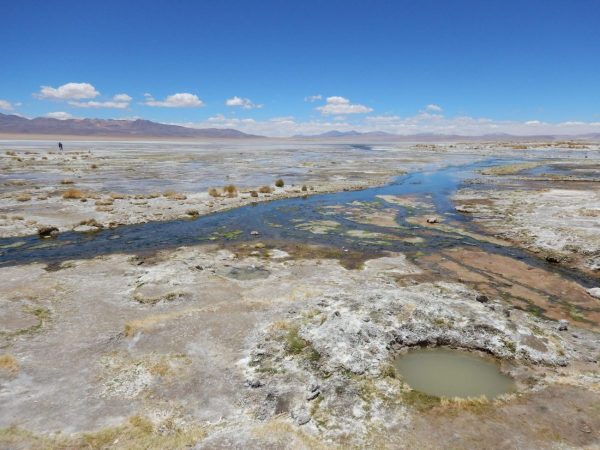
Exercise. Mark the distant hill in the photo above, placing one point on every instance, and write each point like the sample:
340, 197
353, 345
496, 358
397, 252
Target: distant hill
381, 136
102, 127
341, 134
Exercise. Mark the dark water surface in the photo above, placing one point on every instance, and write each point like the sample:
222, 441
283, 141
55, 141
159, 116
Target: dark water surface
278, 220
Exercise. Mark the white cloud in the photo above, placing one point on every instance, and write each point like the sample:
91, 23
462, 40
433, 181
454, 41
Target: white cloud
122, 98
245, 103
422, 122
6, 105
313, 98
69, 91
340, 106
60, 115
432, 107
180, 100
119, 101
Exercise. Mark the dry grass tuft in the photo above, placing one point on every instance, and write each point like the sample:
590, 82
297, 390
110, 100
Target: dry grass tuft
172, 195
66, 181
117, 196
138, 432
253, 194
230, 190
9, 364
24, 197
213, 193
104, 202
265, 190
279, 183
74, 194
91, 223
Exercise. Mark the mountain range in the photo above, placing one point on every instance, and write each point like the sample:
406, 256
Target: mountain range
102, 127
13, 124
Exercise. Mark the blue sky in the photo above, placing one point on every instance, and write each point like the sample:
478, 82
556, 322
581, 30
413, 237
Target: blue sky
286, 67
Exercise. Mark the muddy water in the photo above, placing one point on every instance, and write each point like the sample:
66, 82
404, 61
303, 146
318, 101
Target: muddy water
444, 372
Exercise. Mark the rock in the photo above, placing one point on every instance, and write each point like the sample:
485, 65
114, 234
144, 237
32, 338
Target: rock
563, 325
482, 298
432, 220
463, 209
192, 212
86, 229
49, 231
254, 383
553, 259
278, 254
254, 233
300, 415
313, 395
594, 292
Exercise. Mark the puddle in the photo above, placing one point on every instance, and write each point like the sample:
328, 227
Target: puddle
445, 372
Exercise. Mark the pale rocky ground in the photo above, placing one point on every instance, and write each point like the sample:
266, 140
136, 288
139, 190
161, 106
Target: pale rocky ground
183, 343
559, 218
255, 347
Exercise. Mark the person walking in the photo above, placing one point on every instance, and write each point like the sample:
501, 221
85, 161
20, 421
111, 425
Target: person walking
60, 146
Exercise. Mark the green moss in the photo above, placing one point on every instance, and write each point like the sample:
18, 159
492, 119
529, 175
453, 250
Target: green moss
420, 400
295, 344
313, 355
388, 371
511, 346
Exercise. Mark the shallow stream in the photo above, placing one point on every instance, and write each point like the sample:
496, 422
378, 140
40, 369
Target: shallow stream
371, 221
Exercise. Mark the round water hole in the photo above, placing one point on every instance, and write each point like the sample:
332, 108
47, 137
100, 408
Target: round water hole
445, 372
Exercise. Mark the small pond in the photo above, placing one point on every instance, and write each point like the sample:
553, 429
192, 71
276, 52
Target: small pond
445, 372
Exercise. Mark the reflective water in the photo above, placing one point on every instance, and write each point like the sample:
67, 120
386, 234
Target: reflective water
276, 220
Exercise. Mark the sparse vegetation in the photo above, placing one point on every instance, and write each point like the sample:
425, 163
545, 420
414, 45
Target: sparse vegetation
138, 432
279, 183
74, 194
172, 195
104, 202
253, 194
388, 371
304, 188
294, 343
213, 193
66, 181
420, 400
265, 190
24, 197
230, 190
8, 364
